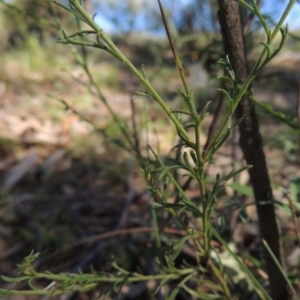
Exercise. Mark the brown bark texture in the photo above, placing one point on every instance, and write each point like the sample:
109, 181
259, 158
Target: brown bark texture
252, 146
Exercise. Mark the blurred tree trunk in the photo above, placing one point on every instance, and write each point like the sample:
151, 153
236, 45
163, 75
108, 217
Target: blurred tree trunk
252, 147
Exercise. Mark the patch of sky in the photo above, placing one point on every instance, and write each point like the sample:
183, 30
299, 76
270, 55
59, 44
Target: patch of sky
120, 17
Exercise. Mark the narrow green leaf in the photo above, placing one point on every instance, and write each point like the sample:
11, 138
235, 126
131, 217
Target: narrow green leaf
177, 248
278, 115
221, 223
267, 47
237, 123
179, 111
194, 157
242, 189
190, 125
225, 78
229, 202
203, 112
178, 286
234, 172
243, 215
145, 95
224, 92
296, 296
187, 161
15, 280
157, 170
256, 285
157, 205
216, 185
174, 162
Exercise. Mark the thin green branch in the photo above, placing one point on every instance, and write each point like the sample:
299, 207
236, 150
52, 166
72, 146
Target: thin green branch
120, 56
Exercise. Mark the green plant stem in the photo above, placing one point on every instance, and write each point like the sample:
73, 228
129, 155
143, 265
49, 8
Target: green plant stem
106, 104
220, 279
87, 282
200, 165
283, 18
205, 222
253, 73
259, 15
202, 188
120, 56
197, 148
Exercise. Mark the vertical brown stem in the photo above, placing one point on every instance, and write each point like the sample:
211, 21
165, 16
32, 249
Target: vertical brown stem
252, 147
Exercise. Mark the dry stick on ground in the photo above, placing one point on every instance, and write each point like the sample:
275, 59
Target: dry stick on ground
251, 144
